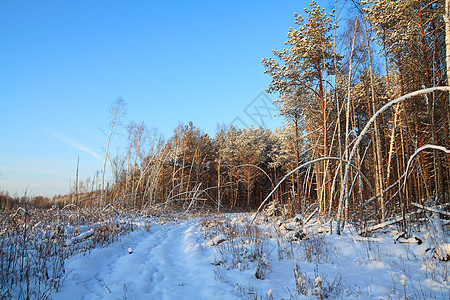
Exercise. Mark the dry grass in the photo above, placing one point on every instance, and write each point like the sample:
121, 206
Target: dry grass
34, 244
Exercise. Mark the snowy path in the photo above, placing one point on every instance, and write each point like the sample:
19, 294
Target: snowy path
168, 262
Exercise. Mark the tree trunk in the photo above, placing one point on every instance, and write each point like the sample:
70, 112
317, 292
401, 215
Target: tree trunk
447, 50
116, 111
76, 180
378, 157
392, 143
218, 182
297, 162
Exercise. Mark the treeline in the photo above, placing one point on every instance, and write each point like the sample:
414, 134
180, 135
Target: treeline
8, 202
235, 169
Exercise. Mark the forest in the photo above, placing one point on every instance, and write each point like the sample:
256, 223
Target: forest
330, 81
329, 86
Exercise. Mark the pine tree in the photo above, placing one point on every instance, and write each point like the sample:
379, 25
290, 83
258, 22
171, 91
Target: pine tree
299, 73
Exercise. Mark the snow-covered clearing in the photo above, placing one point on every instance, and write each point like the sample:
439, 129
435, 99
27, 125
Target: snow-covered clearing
223, 257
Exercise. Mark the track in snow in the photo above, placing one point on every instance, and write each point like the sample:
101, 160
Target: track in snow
168, 262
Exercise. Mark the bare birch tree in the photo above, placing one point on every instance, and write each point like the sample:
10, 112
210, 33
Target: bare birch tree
117, 111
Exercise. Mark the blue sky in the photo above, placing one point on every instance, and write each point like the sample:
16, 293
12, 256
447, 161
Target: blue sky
63, 63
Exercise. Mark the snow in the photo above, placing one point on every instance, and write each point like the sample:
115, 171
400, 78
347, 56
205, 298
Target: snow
216, 240
222, 257
166, 263
79, 237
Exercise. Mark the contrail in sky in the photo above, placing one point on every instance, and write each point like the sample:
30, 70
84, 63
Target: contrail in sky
71, 142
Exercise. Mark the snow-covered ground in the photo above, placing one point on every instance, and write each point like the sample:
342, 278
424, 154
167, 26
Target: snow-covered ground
223, 257
164, 262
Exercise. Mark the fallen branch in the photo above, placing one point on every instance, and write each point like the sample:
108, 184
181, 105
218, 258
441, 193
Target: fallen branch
430, 209
79, 237
387, 223
311, 215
